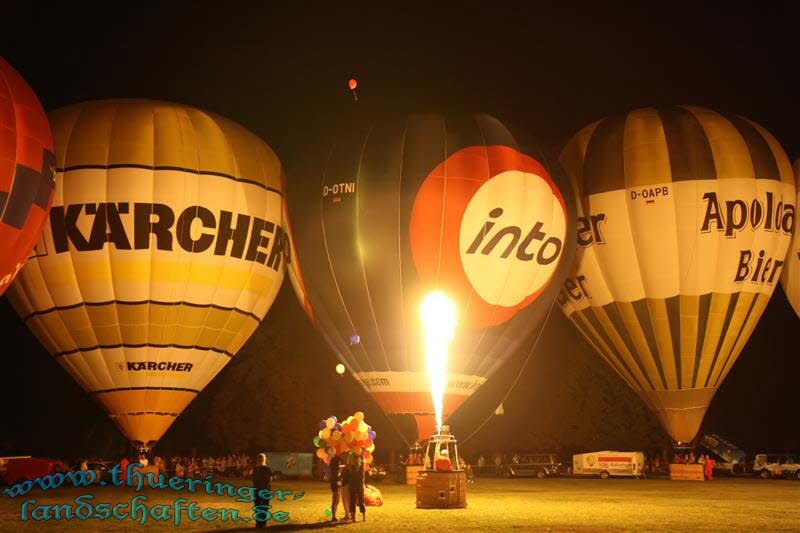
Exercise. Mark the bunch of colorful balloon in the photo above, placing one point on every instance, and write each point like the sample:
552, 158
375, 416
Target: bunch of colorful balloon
354, 437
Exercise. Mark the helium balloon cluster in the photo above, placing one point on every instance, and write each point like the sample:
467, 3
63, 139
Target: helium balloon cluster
352, 437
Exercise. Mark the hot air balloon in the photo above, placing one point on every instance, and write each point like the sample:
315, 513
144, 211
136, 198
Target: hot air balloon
163, 251
790, 280
27, 166
684, 219
394, 208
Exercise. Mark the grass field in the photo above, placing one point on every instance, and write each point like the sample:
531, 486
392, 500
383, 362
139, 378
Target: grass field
494, 504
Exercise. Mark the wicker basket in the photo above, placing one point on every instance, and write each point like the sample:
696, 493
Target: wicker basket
441, 490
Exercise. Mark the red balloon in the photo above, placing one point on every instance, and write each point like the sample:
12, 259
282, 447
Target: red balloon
352, 84
27, 168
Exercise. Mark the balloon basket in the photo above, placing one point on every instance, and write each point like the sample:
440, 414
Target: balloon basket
442, 484
684, 472
442, 490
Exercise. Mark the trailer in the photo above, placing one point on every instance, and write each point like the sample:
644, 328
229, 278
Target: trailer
290, 464
607, 463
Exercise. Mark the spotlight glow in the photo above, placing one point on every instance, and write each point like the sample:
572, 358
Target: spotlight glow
438, 314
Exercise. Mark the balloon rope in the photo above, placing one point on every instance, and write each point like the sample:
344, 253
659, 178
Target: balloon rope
396, 430
519, 374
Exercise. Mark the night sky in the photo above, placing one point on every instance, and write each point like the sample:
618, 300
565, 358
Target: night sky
283, 72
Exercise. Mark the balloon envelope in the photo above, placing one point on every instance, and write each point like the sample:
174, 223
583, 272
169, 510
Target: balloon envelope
394, 207
27, 166
163, 252
685, 216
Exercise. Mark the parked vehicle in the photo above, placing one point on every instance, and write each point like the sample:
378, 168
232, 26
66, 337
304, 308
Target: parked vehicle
728, 458
376, 473
771, 465
608, 463
102, 470
540, 465
26, 468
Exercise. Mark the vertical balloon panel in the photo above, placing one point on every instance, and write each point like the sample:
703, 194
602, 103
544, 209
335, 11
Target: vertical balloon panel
163, 253
790, 278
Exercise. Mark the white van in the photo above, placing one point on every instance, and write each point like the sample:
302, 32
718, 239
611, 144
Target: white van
607, 463
776, 465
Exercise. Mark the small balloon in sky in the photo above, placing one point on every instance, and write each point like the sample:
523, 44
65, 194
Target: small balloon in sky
354, 339
352, 84
340, 369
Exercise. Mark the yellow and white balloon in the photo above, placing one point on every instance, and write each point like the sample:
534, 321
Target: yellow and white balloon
163, 251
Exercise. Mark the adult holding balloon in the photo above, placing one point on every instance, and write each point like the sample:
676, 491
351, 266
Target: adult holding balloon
162, 254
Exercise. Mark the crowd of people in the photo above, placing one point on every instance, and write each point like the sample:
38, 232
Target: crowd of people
233, 465
240, 465
414, 458
441, 462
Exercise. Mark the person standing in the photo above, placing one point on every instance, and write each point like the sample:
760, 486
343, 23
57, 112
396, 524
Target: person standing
442, 462
347, 476
123, 466
357, 489
708, 467
468, 470
335, 485
262, 479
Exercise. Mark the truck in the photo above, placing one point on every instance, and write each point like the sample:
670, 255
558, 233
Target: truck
608, 463
728, 458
